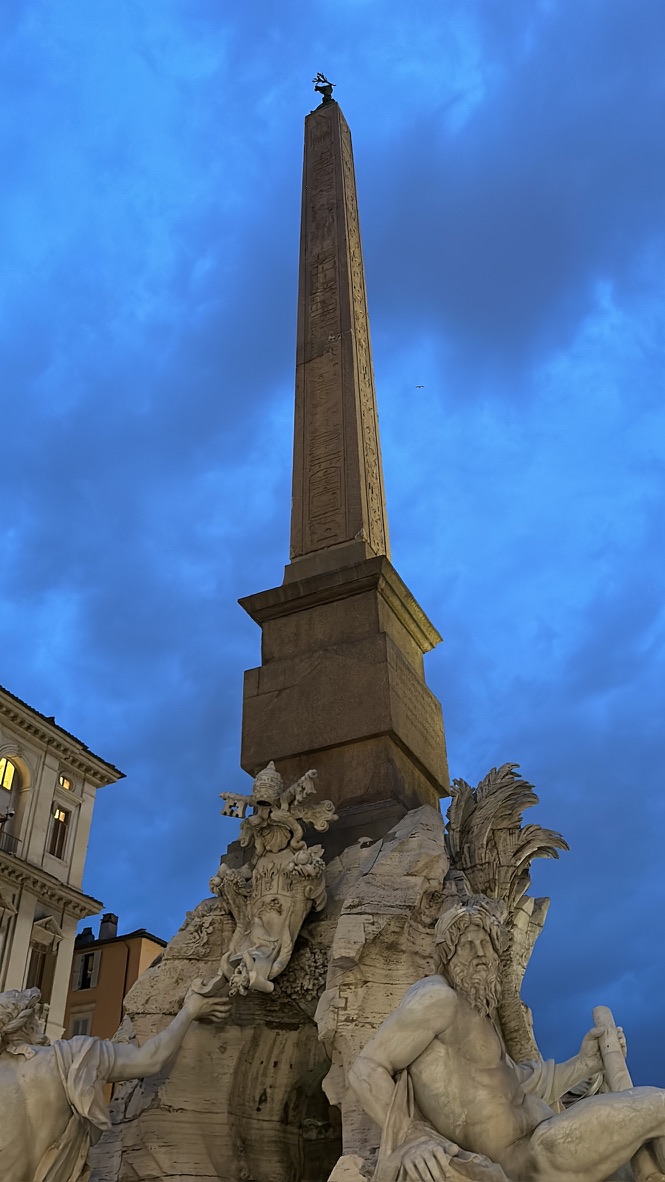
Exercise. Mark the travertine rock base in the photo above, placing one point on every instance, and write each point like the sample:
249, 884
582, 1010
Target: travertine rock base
348, 1169
383, 942
256, 1101
241, 1102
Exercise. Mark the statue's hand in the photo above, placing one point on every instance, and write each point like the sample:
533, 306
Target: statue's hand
206, 1007
212, 1009
425, 1161
590, 1057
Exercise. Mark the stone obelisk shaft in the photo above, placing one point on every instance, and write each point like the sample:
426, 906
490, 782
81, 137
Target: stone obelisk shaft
338, 510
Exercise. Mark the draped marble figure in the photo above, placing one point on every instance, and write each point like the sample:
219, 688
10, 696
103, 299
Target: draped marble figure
52, 1096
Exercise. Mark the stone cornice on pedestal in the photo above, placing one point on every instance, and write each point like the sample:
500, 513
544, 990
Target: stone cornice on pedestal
374, 574
23, 874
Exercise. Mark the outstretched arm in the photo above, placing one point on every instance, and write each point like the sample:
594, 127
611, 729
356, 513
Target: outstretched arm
425, 1012
139, 1062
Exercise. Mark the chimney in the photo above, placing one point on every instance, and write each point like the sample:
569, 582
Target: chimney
85, 936
108, 928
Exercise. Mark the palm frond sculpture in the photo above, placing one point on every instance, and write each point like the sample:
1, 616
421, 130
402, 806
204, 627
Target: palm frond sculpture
485, 837
490, 853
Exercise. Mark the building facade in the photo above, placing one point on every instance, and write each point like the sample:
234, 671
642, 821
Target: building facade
103, 970
48, 782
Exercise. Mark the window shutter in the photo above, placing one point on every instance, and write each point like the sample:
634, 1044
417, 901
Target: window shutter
95, 968
77, 966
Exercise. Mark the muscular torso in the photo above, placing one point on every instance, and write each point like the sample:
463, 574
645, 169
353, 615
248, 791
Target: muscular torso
35, 1112
467, 1088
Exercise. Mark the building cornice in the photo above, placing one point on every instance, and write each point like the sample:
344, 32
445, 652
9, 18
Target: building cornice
47, 887
45, 730
128, 937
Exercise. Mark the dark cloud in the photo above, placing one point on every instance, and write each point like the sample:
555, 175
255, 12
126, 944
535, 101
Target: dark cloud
498, 231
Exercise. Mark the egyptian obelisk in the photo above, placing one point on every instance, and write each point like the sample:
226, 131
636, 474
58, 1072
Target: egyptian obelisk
341, 684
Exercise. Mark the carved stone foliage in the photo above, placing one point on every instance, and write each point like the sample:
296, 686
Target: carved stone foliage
304, 978
272, 895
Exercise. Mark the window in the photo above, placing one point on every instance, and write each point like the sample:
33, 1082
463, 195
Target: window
41, 970
8, 773
81, 1024
85, 970
10, 783
65, 782
59, 828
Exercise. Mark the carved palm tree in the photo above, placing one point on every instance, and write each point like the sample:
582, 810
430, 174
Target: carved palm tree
490, 853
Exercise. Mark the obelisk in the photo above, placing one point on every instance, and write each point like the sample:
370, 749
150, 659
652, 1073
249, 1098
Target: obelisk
338, 513
341, 684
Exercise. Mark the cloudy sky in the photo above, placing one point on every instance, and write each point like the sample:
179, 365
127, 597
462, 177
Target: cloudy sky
509, 159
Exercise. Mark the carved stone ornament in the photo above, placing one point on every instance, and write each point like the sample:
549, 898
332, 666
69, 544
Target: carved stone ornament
46, 933
272, 895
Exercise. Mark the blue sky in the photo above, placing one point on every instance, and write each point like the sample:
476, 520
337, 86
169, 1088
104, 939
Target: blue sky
511, 181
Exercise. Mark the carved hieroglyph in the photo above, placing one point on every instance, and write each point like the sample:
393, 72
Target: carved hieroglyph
272, 895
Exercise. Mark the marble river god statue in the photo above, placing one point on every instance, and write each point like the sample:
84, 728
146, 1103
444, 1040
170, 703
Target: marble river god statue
438, 1077
453, 1104
52, 1096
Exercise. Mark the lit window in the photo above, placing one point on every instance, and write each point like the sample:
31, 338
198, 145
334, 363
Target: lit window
7, 774
65, 782
59, 828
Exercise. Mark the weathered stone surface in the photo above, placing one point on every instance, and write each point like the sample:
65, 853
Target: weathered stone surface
338, 494
343, 688
383, 942
348, 1169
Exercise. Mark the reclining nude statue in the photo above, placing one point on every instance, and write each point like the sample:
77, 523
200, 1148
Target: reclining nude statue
453, 1105
52, 1096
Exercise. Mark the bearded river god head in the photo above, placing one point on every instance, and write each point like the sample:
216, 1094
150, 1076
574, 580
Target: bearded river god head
469, 940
